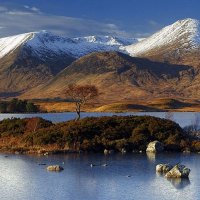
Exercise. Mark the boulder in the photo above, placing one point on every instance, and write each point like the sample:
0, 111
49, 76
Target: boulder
178, 171
55, 168
163, 168
155, 146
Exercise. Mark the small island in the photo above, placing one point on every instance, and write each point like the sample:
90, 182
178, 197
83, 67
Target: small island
93, 134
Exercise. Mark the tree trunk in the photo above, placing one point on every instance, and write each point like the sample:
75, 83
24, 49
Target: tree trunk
78, 115
78, 111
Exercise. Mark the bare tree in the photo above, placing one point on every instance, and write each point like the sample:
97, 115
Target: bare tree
81, 94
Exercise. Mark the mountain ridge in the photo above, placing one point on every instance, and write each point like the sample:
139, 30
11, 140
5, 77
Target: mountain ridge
165, 64
42, 42
171, 44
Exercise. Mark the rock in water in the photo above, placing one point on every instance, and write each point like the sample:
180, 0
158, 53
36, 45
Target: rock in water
55, 168
178, 171
163, 168
155, 146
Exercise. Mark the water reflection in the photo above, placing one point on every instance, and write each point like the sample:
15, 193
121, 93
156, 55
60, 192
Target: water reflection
151, 156
179, 183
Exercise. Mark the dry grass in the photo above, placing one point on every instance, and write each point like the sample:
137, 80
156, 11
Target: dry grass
62, 106
160, 104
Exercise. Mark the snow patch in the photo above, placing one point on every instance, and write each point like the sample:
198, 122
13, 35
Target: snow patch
9, 44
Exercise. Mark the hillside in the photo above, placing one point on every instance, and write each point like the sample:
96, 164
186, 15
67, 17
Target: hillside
119, 77
32, 59
165, 65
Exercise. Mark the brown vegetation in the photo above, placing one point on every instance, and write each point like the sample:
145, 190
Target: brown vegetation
92, 134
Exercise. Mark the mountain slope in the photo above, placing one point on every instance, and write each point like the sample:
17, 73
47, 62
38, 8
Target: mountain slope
119, 77
32, 59
42, 64
176, 43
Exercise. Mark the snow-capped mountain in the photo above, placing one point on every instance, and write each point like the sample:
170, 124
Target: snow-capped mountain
45, 44
31, 59
173, 41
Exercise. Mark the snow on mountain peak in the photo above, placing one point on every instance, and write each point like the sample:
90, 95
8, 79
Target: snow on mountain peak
183, 32
107, 40
45, 44
9, 44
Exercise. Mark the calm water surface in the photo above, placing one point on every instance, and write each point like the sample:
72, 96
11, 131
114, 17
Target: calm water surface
21, 178
183, 118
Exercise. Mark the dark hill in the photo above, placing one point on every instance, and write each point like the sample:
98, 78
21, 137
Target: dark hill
121, 77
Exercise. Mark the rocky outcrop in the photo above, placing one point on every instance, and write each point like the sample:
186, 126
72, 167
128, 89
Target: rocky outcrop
163, 168
178, 171
155, 146
55, 168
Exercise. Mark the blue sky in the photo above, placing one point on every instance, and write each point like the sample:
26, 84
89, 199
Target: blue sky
132, 18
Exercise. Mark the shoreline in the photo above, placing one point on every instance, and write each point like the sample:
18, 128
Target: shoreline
68, 152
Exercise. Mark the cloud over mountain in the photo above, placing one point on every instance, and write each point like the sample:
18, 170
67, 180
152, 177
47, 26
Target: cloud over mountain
30, 18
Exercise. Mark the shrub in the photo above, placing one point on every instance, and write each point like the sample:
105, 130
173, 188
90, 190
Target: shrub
18, 106
96, 134
12, 126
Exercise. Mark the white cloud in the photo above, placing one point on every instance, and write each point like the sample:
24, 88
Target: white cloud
35, 9
30, 19
18, 13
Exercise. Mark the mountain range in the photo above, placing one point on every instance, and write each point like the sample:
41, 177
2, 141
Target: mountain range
166, 64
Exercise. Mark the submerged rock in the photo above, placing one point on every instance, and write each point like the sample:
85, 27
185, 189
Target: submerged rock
111, 151
123, 150
42, 164
55, 168
163, 168
187, 151
178, 171
155, 146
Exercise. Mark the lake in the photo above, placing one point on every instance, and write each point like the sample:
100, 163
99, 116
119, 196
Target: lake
183, 118
21, 178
